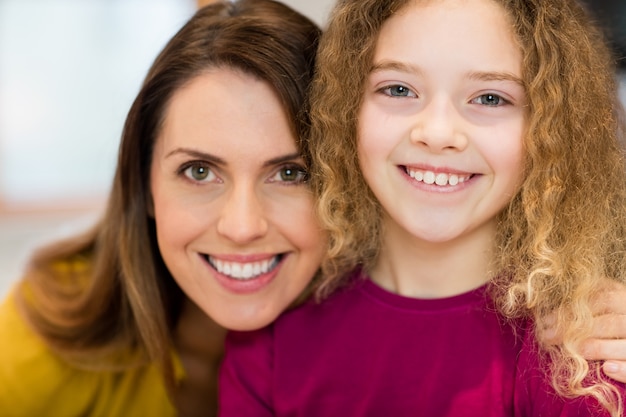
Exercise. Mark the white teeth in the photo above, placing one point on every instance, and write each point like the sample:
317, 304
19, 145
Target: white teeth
441, 179
243, 271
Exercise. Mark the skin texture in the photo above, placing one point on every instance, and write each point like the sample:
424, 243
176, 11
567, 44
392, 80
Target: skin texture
230, 196
440, 142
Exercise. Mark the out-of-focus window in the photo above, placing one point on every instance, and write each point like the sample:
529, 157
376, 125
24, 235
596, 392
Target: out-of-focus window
69, 70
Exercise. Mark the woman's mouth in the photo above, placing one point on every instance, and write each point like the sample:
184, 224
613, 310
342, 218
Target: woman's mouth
243, 270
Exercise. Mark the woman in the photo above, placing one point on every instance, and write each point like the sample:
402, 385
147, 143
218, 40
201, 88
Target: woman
209, 213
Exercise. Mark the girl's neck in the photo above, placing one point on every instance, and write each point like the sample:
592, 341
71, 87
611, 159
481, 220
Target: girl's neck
419, 269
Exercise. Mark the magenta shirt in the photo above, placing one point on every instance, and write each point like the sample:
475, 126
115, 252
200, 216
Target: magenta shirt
368, 352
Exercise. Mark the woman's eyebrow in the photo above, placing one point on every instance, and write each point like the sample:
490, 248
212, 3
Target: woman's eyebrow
283, 158
219, 161
196, 154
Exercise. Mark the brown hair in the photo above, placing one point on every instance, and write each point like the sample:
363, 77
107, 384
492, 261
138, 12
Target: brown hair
564, 231
108, 291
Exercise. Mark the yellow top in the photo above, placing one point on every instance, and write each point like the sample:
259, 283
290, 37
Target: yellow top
36, 382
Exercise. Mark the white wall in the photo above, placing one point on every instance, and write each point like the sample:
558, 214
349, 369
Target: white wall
317, 10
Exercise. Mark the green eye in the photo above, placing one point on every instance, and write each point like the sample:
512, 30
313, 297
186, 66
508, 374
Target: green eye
291, 174
199, 172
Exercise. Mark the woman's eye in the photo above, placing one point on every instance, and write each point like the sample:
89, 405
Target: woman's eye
492, 100
199, 172
398, 91
291, 174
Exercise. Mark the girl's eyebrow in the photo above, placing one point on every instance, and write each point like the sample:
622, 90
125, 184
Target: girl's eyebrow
219, 161
395, 66
495, 76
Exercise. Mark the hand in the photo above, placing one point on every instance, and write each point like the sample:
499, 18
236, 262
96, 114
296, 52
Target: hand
608, 339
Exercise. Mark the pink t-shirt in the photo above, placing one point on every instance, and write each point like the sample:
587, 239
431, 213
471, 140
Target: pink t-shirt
369, 352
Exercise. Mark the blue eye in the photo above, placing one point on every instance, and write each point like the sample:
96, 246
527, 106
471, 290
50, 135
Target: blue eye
398, 91
492, 100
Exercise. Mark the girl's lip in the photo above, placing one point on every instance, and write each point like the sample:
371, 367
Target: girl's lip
436, 170
439, 180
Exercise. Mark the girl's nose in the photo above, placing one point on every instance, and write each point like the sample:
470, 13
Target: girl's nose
439, 127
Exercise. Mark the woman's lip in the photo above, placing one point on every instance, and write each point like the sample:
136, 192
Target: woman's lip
245, 286
243, 258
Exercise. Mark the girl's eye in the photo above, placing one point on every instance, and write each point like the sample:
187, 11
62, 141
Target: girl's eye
398, 91
291, 174
199, 172
492, 100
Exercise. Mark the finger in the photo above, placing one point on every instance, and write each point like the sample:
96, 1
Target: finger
609, 326
615, 370
604, 349
612, 300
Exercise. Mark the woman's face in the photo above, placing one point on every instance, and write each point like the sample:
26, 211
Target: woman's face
233, 212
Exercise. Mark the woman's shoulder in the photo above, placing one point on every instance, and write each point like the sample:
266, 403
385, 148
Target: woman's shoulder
36, 381
31, 376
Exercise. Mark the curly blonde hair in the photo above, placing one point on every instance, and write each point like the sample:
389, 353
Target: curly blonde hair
563, 233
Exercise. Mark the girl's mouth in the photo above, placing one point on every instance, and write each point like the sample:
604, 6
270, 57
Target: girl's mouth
441, 179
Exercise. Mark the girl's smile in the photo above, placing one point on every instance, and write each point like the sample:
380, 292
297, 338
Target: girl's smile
440, 134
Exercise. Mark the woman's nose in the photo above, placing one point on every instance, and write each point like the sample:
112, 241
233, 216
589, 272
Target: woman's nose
242, 219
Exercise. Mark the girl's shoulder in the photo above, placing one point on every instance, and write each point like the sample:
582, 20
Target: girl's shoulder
36, 381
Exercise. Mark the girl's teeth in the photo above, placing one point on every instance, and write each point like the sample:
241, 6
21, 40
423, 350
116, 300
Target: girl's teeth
429, 177
441, 179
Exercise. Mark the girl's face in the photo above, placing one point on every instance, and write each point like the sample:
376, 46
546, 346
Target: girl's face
234, 215
442, 120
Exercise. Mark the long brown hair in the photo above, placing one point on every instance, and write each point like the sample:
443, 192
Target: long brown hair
563, 235
108, 292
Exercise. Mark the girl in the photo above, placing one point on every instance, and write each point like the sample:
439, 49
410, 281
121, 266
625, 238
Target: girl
209, 226
472, 180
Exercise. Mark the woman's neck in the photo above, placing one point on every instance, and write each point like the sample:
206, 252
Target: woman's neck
199, 342
419, 269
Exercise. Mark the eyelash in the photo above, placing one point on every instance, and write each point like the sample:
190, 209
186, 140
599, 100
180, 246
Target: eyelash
184, 171
501, 100
387, 91
301, 172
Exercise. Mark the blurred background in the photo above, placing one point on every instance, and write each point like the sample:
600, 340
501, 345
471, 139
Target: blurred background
69, 70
